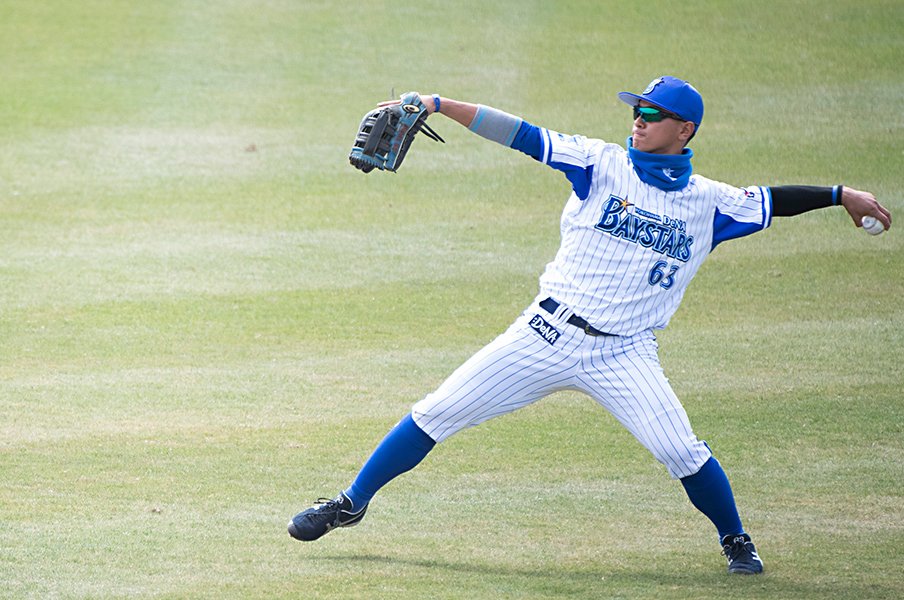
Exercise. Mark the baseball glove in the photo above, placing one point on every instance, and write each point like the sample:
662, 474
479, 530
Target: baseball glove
386, 133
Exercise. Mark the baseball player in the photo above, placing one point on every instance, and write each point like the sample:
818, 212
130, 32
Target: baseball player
636, 227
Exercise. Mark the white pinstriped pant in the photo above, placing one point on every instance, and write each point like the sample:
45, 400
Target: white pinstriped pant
519, 367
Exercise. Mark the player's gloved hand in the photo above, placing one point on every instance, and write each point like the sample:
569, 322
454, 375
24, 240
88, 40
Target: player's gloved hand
386, 133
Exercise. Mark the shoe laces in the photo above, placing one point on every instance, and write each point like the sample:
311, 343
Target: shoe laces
328, 504
736, 547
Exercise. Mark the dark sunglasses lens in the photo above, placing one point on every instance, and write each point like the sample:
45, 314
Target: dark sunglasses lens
648, 114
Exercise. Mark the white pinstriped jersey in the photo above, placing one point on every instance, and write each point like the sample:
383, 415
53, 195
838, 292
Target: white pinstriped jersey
629, 249
628, 252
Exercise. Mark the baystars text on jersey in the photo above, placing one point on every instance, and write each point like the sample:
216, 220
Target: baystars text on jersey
660, 233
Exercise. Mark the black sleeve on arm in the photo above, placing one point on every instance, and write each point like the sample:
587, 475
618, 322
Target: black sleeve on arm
790, 200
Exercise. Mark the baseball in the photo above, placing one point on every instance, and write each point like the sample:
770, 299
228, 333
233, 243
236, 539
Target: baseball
872, 225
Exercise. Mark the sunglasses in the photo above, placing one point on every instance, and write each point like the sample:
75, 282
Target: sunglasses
653, 115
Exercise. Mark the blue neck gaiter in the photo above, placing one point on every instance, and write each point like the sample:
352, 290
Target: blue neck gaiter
667, 172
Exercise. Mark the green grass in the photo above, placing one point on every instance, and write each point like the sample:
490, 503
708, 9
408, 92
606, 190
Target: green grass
208, 319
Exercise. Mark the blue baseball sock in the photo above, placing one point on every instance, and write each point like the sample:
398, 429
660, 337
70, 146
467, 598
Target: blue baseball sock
400, 451
711, 493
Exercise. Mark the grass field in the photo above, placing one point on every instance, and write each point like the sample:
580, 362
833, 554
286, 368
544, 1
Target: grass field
208, 319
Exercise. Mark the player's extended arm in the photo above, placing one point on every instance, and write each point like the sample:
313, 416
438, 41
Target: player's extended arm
790, 200
516, 133
490, 123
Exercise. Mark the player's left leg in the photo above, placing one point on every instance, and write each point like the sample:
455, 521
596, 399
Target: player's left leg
710, 491
624, 375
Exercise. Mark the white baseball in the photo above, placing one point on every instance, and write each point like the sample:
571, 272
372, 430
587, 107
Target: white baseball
872, 225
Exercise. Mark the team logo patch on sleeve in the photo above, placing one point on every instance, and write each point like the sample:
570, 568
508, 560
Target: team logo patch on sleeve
546, 331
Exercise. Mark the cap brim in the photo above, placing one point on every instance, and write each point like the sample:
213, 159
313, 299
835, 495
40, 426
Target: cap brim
629, 98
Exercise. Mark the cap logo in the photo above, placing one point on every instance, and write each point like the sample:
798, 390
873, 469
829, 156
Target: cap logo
652, 86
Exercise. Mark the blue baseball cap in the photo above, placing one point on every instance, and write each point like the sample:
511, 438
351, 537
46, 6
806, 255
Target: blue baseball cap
674, 95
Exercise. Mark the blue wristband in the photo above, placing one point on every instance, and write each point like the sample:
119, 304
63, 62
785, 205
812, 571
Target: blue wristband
436, 103
836, 194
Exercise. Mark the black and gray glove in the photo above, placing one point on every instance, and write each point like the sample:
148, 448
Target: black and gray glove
386, 133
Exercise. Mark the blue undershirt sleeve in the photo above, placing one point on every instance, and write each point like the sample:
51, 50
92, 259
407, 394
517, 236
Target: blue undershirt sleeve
529, 140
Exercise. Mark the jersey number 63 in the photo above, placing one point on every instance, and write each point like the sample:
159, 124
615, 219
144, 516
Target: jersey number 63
658, 275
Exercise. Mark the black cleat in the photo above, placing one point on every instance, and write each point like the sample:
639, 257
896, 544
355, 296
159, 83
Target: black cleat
741, 554
316, 522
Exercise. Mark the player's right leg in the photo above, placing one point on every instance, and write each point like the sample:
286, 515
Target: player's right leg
401, 450
519, 367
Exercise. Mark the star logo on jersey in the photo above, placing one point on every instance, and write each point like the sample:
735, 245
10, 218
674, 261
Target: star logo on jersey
624, 204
